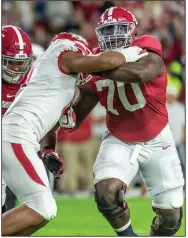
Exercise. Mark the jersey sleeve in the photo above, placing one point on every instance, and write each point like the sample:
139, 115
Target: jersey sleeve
96, 50
67, 46
150, 43
71, 46
91, 83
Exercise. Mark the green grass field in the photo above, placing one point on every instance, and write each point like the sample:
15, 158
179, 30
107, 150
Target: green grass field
79, 217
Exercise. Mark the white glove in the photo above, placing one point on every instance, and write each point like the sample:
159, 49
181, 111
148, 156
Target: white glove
68, 119
132, 53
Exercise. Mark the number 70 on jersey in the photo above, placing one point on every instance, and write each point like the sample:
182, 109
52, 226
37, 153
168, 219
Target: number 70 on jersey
122, 95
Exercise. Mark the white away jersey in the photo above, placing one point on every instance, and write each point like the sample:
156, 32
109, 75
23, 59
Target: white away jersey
39, 105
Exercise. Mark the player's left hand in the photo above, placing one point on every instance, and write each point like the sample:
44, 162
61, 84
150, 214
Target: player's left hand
132, 53
53, 162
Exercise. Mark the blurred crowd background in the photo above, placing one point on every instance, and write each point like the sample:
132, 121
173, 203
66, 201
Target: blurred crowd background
163, 19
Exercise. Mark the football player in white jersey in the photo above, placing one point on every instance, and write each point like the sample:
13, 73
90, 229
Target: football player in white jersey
36, 110
17, 57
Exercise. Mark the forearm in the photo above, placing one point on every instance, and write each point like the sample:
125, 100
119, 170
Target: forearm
128, 73
142, 71
108, 60
81, 115
76, 63
84, 105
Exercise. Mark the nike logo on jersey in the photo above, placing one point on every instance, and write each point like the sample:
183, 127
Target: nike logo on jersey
10, 96
165, 147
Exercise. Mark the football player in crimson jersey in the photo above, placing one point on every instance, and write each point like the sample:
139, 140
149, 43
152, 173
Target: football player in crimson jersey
14, 70
16, 61
138, 136
35, 111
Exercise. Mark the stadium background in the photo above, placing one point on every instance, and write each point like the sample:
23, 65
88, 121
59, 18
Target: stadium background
77, 213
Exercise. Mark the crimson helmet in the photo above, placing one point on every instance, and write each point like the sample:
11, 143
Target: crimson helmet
16, 53
83, 47
116, 28
80, 41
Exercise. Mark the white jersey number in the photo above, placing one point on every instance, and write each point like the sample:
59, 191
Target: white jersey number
121, 92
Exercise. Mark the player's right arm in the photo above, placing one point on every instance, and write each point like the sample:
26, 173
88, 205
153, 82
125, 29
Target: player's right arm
85, 103
72, 62
146, 69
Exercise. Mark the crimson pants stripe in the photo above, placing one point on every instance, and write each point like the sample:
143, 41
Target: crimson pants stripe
26, 163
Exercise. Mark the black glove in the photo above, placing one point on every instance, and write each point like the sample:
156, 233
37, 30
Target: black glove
53, 162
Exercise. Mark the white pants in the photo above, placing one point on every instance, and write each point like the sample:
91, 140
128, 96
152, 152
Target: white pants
24, 173
157, 160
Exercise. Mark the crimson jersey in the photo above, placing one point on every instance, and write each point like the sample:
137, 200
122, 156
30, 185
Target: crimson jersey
9, 92
135, 112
